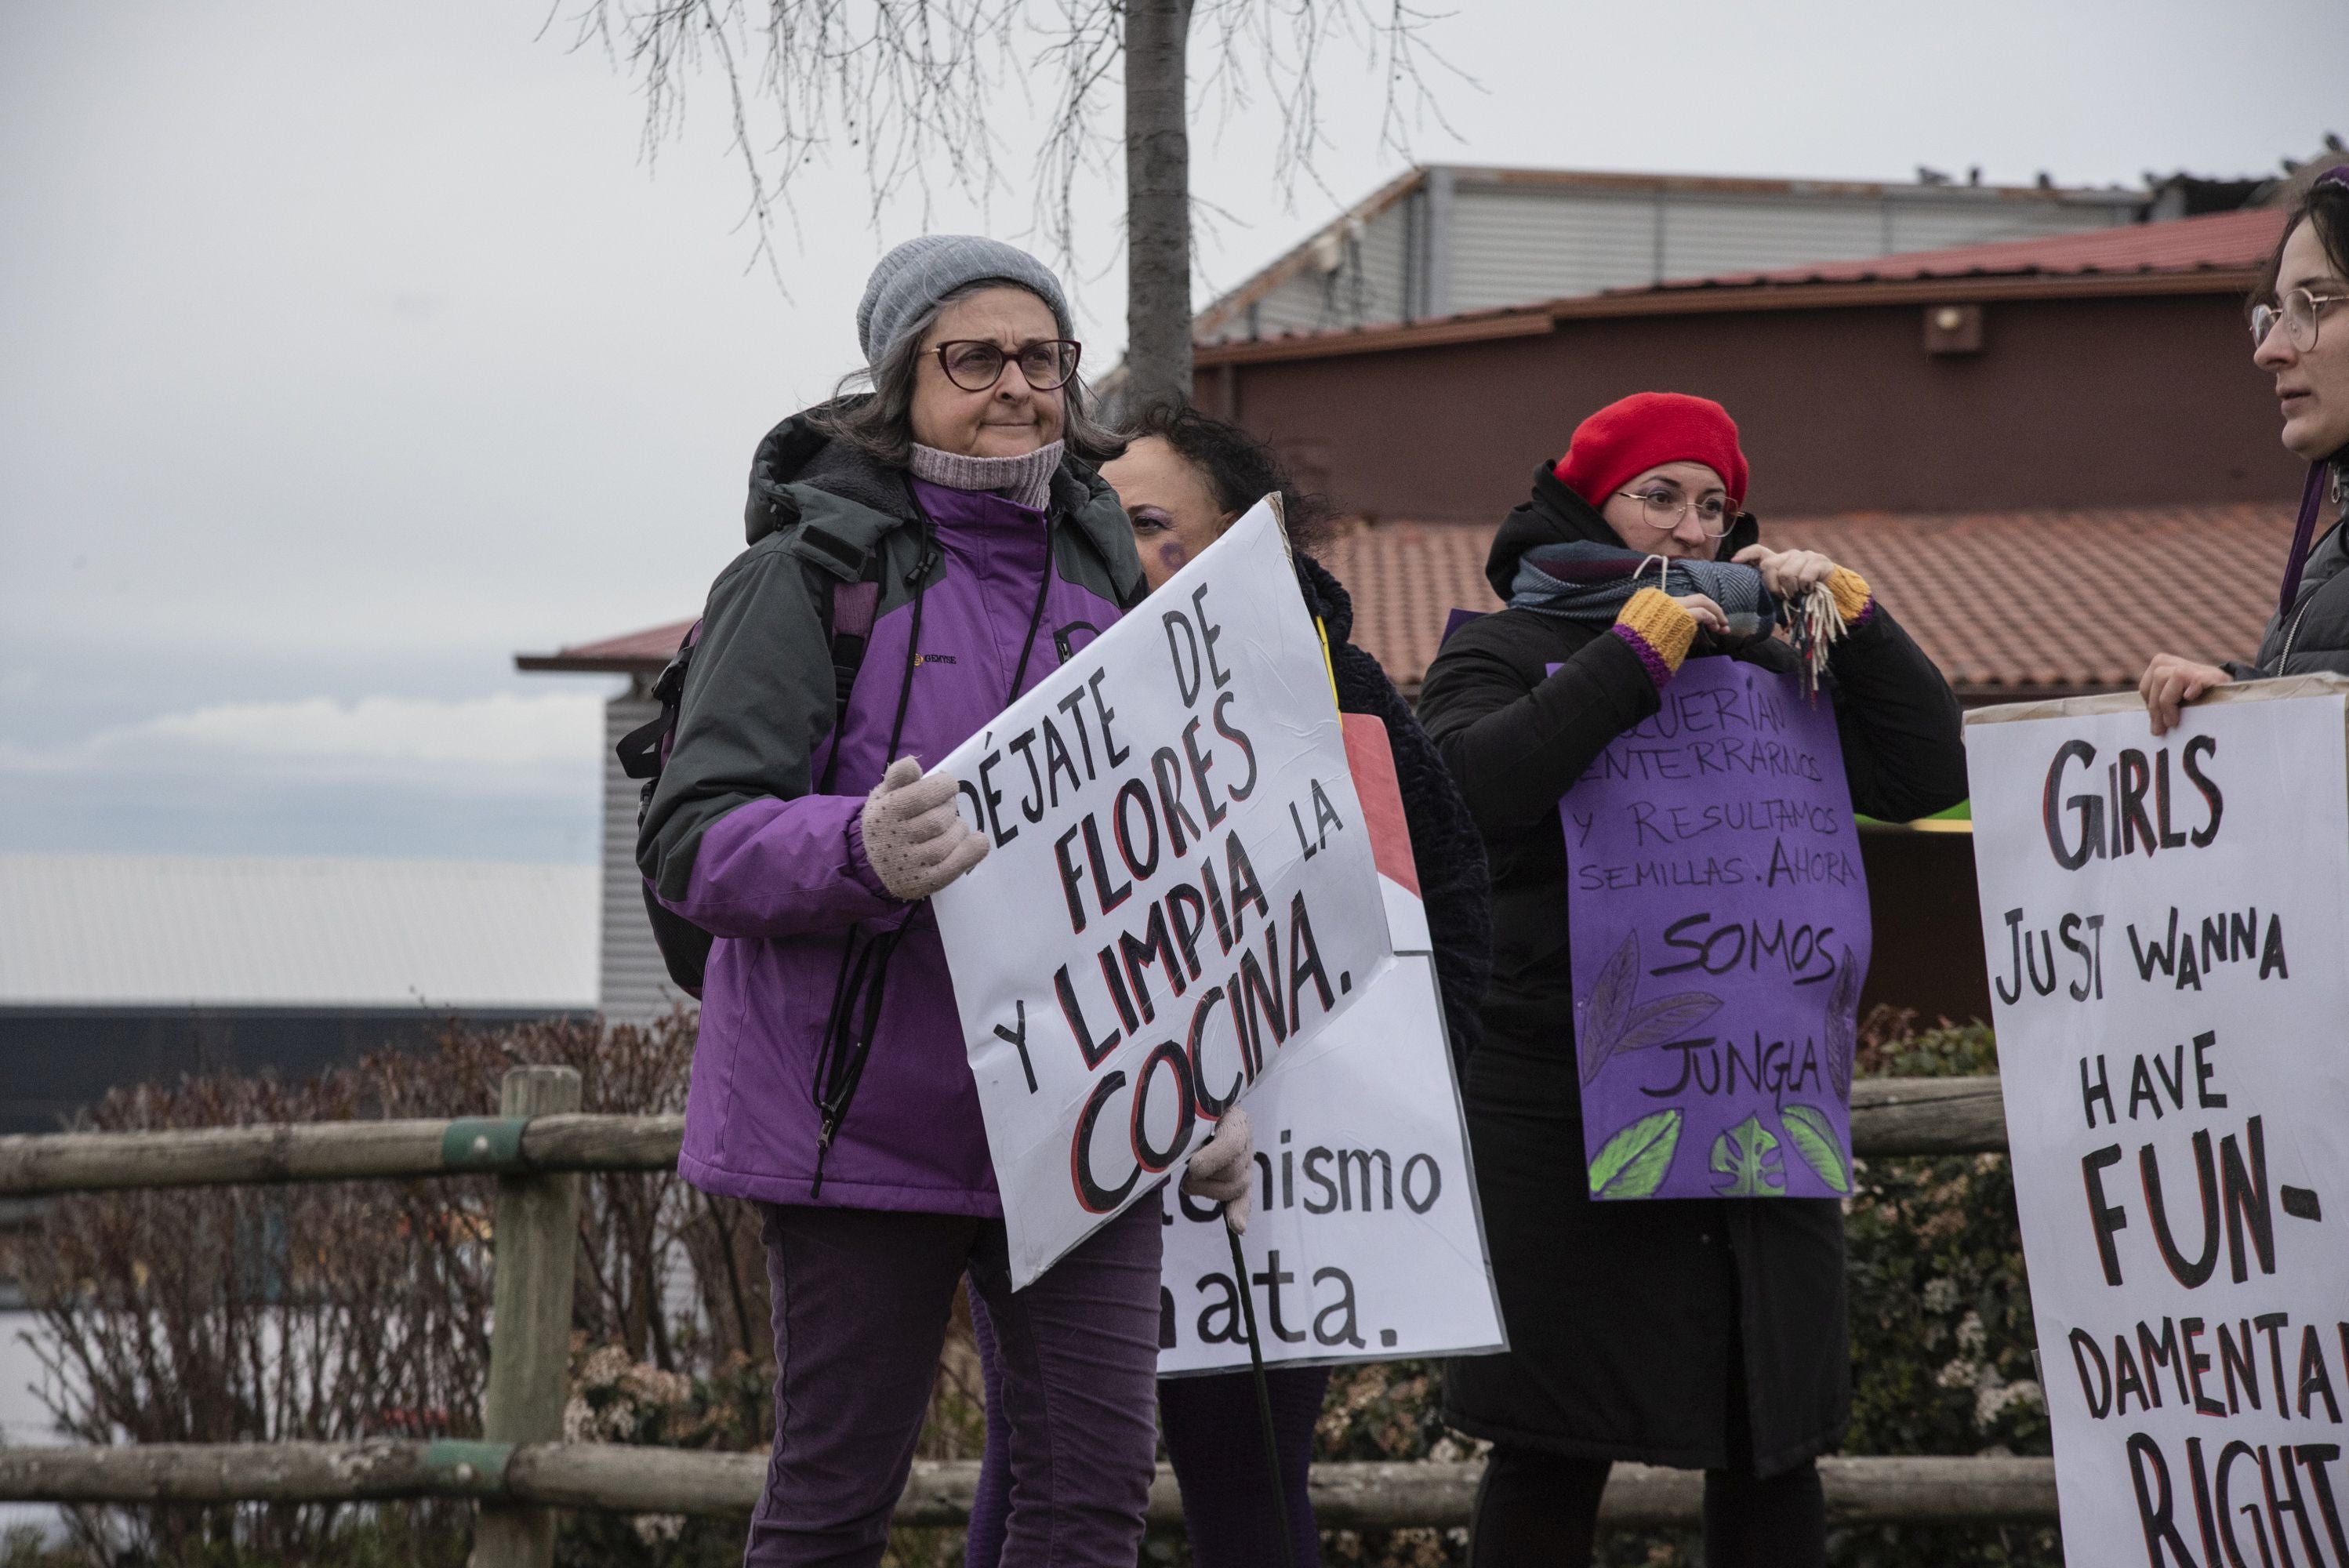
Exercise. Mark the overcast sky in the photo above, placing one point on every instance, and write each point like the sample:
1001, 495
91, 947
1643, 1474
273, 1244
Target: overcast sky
345, 350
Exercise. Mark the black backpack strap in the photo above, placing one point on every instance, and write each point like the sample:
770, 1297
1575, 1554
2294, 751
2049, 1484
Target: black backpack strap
848, 600
853, 609
644, 748
850, 608
639, 750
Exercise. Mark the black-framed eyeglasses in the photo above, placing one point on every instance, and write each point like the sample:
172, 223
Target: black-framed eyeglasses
975, 366
2300, 311
1663, 507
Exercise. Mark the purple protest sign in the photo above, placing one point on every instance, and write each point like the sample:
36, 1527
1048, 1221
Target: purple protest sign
1720, 936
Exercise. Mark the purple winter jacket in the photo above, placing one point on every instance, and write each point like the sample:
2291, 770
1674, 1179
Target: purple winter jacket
743, 839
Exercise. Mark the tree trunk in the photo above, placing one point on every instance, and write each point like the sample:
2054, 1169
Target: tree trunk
1158, 205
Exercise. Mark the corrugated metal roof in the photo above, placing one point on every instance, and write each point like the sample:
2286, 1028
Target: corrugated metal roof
2222, 242
176, 931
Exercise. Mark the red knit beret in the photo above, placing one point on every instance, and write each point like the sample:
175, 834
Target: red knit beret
1626, 439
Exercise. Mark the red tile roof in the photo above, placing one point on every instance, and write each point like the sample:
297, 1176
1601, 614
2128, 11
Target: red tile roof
633, 653
1406, 579
2222, 242
2067, 600
2004, 603
2007, 603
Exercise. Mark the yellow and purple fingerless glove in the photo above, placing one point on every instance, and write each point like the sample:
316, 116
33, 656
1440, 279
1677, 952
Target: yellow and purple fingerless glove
1656, 628
1853, 599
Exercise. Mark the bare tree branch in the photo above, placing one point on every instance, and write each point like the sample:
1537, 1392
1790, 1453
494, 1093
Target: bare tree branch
914, 87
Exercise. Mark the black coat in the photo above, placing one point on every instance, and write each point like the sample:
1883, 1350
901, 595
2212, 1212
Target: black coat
1697, 1332
1445, 846
2312, 636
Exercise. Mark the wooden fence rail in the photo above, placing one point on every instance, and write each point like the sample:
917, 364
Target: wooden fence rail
1889, 1117
616, 1478
40, 1164
518, 1475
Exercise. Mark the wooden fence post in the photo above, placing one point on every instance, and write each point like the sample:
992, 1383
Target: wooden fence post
533, 1248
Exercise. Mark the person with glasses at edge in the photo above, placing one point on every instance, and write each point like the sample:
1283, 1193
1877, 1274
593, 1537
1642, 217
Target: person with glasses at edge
1704, 1334
2300, 335
951, 521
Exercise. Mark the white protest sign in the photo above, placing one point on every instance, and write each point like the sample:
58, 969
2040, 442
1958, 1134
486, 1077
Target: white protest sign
1180, 898
2166, 921
1366, 1242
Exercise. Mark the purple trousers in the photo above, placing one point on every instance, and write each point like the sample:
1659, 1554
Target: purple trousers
861, 1302
1215, 1437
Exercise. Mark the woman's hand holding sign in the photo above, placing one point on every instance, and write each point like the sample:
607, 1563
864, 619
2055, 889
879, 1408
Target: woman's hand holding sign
2169, 683
1221, 1172
915, 839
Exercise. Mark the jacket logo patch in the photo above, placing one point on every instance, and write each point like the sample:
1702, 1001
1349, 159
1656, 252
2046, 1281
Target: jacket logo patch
921, 659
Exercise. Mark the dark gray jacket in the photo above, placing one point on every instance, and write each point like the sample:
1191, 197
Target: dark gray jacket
1700, 1332
2312, 636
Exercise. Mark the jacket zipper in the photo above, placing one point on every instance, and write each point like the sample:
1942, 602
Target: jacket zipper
2283, 659
848, 1039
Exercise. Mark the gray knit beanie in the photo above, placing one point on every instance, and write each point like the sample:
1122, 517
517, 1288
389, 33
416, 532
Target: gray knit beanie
918, 273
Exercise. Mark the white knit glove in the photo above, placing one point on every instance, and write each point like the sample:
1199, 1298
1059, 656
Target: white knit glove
1224, 1169
913, 837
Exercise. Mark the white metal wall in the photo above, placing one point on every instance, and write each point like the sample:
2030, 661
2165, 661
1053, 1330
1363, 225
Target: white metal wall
634, 985
1298, 304
1382, 254
1704, 236
1934, 226
1367, 287
1520, 243
1517, 245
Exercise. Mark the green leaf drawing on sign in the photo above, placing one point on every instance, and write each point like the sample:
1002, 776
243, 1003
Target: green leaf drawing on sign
1607, 1011
1632, 1163
1812, 1135
1667, 1019
1748, 1155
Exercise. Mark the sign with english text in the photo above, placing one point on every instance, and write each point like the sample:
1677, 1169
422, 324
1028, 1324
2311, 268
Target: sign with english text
1366, 1242
1719, 934
1180, 898
2166, 920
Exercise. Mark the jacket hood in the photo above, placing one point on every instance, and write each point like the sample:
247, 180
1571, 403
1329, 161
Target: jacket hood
798, 452
1555, 514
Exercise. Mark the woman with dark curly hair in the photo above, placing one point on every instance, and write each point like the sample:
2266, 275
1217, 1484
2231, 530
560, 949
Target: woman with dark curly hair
1183, 481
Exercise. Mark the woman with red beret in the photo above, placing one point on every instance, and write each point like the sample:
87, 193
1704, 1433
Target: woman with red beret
1704, 1333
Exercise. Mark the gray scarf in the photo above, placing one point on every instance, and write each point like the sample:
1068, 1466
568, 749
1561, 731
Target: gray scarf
1026, 480
1582, 580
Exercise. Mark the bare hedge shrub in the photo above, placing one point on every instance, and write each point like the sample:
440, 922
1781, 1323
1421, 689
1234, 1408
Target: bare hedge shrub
349, 1310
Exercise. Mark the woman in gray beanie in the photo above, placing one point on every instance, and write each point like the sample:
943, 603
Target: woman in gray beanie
919, 555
